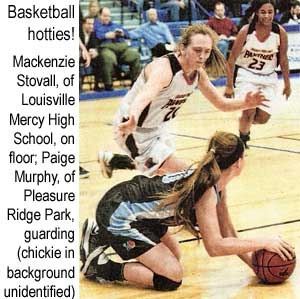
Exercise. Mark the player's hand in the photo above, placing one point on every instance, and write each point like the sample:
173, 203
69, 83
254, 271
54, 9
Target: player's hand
229, 92
287, 91
128, 126
281, 247
254, 99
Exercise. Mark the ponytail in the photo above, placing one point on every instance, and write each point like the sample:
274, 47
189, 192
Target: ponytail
224, 149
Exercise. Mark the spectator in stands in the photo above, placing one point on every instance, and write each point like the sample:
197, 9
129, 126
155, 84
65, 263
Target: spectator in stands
224, 27
90, 41
156, 35
292, 16
113, 49
94, 8
174, 7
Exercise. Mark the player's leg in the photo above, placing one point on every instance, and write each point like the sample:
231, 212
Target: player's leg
245, 122
270, 91
245, 82
172, 164
157, 266
261, 117
163, 265
172, 243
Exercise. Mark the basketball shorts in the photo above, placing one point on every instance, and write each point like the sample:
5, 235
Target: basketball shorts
268, 84
149, 147
128, 238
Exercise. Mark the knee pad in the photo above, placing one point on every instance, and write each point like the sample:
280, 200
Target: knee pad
162, 283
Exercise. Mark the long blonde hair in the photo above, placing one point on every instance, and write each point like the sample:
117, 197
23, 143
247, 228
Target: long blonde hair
215, 64
223, 150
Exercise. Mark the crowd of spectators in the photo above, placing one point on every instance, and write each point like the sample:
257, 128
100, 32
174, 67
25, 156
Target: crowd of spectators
107, 43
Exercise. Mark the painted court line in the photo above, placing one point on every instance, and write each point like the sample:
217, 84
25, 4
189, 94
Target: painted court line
250, 229
289, 138
255, 146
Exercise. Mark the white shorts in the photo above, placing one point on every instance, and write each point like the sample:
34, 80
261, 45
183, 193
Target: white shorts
268, 84
148, 147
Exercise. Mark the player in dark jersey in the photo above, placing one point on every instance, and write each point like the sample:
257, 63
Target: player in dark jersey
258, 49
133, 218
164, 85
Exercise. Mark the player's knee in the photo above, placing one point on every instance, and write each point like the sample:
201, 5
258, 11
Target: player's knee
162, 283
261, 119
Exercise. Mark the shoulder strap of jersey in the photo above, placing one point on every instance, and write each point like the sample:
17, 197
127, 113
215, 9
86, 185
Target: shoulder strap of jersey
175, 65
218, 194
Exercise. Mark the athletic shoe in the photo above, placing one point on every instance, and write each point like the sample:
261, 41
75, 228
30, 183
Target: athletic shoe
89, 239
96, 258
83, 173
104, 158
245, 138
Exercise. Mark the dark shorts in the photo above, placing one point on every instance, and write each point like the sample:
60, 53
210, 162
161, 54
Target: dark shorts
127, 247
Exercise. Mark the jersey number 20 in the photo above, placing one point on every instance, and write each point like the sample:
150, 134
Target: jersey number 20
171, 114
257, 64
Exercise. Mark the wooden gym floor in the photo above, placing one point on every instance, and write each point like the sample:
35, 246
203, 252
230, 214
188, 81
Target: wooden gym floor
264, 200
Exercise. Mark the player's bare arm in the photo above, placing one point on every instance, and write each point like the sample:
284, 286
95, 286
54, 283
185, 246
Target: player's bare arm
251, 100
217, 245
284, 63
158, 74
227, 228
234, 53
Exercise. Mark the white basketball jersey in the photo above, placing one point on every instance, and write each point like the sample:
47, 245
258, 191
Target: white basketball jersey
260, 57
167, 103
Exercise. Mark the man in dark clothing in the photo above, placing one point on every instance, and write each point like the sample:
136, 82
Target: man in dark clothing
113, 49
88, 37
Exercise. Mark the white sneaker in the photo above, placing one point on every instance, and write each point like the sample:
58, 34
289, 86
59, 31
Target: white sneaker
89, 239
97, 257
104, 158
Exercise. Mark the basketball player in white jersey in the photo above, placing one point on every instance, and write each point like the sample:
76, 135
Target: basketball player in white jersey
157, 95
258, 49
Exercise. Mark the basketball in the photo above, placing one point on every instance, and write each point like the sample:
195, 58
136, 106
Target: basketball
270, 268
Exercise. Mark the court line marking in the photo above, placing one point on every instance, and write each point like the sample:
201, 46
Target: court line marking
250, 229
289, 138
255, 146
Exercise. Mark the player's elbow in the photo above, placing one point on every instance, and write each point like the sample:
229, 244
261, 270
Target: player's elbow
214, 248
212, 252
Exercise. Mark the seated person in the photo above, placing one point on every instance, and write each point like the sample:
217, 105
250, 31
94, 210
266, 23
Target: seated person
90, 41
292, 16
93, 9
174, 7
113, 49
157, 35
224, 27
